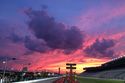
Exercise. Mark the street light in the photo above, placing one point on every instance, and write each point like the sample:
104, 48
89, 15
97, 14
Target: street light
4, 62
5, 66
4, 71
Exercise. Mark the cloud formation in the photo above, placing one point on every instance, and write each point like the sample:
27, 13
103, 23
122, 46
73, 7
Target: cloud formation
56, 35
96, 18
53, 40
35, 45
101, 48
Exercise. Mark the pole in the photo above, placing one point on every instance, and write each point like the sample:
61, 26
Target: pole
71, 74
59, 71
4, 72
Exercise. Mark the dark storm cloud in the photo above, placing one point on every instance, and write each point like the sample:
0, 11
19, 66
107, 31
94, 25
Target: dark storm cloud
56, 35
101, 48
35, 45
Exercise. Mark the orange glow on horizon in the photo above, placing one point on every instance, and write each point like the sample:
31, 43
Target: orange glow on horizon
89, 62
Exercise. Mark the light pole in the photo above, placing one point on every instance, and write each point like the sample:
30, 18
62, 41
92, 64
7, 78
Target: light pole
5, 68
4, 71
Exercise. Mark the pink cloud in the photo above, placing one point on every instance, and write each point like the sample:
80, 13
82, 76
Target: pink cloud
95, 17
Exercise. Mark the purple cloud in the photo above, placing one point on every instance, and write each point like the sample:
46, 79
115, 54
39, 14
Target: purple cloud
56, 35
101, 48
35, 45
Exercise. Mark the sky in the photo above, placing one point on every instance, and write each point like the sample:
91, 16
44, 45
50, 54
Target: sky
47, 34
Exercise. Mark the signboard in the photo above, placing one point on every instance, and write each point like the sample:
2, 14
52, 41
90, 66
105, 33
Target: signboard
70, 67
68, 64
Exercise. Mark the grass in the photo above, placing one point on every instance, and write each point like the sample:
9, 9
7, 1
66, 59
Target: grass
96, 80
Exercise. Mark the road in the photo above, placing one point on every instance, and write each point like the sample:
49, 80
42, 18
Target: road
46, 80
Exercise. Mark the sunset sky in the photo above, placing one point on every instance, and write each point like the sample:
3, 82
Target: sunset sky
49, 33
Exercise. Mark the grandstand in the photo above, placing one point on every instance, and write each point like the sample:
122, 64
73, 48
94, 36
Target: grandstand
114, 69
